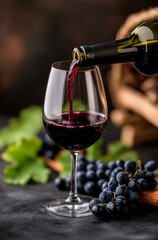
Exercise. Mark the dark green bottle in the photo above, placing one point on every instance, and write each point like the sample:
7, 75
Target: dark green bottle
140, 49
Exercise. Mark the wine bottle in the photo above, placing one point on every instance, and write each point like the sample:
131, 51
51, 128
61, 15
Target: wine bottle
140, 49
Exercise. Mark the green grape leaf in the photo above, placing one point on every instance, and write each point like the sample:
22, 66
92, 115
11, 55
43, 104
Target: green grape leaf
26, 164
26, 124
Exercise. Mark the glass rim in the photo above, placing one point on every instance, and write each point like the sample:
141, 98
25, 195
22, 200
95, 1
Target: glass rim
56, 65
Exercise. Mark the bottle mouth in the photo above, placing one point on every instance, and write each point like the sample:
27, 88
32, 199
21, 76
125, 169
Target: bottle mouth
79, 54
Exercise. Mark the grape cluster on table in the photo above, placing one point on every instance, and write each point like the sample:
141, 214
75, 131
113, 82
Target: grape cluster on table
115, 187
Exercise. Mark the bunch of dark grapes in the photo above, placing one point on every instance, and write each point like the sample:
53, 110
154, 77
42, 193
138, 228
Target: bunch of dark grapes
115, 186
120, 195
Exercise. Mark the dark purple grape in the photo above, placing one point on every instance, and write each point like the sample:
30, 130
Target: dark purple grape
133, 185
90, 188
139, 174
130, 166
116, 171
91, 175
90, 166
143, 185
113, 209
112, 184
112, 165
121, 190
105, 197
102, 166
120, 163
149, 176
100, 173
93, 202
151, 165
124, 209
122, 178
99, 210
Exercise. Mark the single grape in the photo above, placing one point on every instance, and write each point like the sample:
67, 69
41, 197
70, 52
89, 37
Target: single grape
113, 209
124, 209
112, 165
116, 171
105, 197
130, 166
102, 166
93, 202
151, 165
143, 185
120, 163
112, 184
100, 173
105, 184
90, 188
139, 174
90, 166
121, 190
133, 185
91, 175
99, 210
121, 200
122, 178
149, 176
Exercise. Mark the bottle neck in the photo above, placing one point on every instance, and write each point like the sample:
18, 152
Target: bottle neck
110, 52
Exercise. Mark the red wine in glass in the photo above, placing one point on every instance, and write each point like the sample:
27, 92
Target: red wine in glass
80, 133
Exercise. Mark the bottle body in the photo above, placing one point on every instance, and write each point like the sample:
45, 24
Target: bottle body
140, 49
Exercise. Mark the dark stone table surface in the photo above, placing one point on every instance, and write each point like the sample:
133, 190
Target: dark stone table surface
23, 216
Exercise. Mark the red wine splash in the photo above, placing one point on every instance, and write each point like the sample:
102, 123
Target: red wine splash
70, 80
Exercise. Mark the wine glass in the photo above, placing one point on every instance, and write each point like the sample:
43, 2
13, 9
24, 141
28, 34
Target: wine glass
74, 118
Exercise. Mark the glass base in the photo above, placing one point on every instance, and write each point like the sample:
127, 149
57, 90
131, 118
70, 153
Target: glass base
65, 208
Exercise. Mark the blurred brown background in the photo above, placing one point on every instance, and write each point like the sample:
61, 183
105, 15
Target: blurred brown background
35, 33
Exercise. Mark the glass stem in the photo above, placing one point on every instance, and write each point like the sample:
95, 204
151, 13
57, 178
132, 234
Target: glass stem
73, 195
